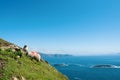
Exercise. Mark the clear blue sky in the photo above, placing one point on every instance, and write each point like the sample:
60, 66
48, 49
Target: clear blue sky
62, 26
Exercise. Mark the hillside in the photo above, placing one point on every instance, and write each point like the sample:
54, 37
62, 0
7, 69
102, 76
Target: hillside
4, 43
14, 68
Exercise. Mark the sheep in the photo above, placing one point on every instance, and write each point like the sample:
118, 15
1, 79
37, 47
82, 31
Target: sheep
35, 55
32, 54
25, 49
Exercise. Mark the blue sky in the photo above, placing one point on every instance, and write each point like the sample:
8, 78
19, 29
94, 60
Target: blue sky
62, 26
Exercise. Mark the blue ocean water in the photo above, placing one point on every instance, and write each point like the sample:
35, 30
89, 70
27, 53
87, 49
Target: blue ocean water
79, 67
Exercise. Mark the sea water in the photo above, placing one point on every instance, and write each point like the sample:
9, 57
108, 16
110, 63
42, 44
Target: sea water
80, 67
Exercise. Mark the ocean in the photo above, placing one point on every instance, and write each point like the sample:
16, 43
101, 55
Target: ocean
81, 67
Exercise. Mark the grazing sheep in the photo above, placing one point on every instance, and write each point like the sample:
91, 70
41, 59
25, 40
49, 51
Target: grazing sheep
32, 54
25, 49
35, 55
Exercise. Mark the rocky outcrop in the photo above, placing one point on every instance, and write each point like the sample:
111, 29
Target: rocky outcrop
16, 78
4, 43
7, 45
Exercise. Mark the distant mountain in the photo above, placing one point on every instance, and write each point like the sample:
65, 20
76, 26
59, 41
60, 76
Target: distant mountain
54, 55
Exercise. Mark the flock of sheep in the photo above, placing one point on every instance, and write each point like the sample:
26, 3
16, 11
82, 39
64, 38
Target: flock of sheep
25, 50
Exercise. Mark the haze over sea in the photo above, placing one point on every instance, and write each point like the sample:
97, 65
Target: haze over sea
80, 67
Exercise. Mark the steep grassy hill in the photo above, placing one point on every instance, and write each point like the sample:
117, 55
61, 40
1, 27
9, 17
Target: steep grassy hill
14, 68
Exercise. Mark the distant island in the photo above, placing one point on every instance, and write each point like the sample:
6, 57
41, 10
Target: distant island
105, 66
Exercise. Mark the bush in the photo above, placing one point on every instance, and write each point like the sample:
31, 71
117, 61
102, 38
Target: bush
18, 53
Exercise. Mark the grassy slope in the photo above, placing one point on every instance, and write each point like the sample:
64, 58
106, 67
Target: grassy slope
30, 69
4, 43
24, 66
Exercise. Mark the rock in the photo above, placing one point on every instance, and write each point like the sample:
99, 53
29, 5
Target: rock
22, 78
14, 78
17, 56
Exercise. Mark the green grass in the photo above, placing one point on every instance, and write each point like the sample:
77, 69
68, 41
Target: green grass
24, 66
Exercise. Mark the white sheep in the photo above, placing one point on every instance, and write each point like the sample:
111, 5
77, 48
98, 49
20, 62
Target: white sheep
35, 55
32, 54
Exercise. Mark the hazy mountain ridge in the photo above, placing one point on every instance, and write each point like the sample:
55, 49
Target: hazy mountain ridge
54, 55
